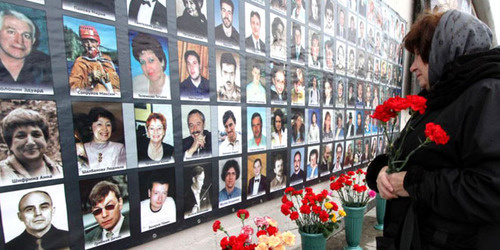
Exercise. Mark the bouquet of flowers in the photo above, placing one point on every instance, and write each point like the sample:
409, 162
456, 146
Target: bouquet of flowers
389, 110
352, 188
268, 234
313, 213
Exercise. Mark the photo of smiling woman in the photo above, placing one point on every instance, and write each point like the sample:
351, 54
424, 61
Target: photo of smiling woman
149, 66
30, 150
99, 139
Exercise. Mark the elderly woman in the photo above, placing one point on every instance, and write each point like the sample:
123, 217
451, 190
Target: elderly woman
26, 133
153, 81
447, 196
100, 152
155, 150
279, 136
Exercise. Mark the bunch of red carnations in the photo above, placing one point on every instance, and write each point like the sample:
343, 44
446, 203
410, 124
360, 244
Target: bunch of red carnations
352, 189
313, 213
268, 234
388, 112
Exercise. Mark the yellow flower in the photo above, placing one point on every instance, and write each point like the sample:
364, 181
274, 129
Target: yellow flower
272, 222
342, 213
334, 218
262, 246
328, 205
263, 239
273, 241
279, 247
288, 238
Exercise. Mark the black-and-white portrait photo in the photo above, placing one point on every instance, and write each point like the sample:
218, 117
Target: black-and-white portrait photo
278, 37
228, 76
150, 14
198, 189
191, 19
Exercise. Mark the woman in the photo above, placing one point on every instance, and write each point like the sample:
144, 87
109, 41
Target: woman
278, 46
339, 130
157, 151
314, 17
328, 93
313, 133
314, 92
279, 136
327, 127
101, 153
26, 133
153, 82
298, 129
359, 124
447, 196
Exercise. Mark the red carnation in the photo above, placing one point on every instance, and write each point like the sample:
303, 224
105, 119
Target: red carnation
383, 113
417, 103
316, 209
294, 215
284, 199
272, 230
323, 216
224, 243
351, 173
397, 103
335, 206
216, 225
305, 209
243, 214
289, 190
261, 232
436, 133
285, 209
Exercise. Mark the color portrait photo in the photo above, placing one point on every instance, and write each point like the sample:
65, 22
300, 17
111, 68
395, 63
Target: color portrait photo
230, 173
193, 72
31, 149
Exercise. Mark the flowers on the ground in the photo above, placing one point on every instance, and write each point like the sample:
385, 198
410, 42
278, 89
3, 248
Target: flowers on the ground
313, 213
352, 188
267, 233
389, 110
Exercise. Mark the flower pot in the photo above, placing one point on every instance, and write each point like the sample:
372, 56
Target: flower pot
380, 212
353, 226
312, 241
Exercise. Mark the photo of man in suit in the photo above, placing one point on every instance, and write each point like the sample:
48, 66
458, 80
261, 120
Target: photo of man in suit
298, 174
254, 42
226, 33
199, 142
258, 183
298, 51
148, 12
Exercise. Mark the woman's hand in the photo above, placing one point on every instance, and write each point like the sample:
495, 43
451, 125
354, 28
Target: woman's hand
396, 180
384, 185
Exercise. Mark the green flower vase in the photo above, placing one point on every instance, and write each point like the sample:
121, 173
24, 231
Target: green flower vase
353, 226
380, 212
312, 241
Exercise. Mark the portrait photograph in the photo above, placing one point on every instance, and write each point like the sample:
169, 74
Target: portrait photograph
351, 61
329, 52
105, 210
278, 87
362, 42
373, 147
228, 76
229, 132
338, 159
361, 64
340, 64
279, 124
314, 13
22, 228
313, 88
359, 123
327, 129
351, 92
368, 98
257, 129
376, 70
198, 189
149, 14
313, 123
340, 89
298, 92
315, 51
326, 159
278, 37
196, 132
256, 81
299, 10
227, 25
362, 7
327, 93
149, 66
358, 151
257, 182
99, 137
339, 125
329, 21
341, 22
92, 62
297, 159
29, 70
193, 72
278, 5
350, 120
349, 154
191, 19
277, 170
157, 194
365, 157
298, 126
298, 37
29, 124
369, 68
95, 8
255, 29
154, 134
312, 171
231, 172
370, 38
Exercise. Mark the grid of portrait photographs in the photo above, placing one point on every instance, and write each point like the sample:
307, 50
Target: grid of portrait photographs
143, 122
